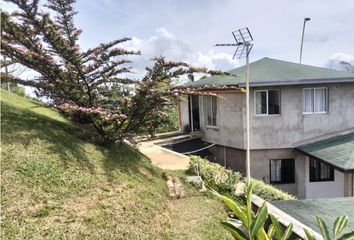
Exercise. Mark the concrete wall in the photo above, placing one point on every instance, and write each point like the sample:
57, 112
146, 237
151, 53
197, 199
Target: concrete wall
229, 130
324, 189
349, 184
279, 131
236, 158
231, 158
260, 168
342, 186
293, 126
184, 114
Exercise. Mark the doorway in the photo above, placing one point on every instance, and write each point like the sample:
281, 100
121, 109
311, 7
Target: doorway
194, 123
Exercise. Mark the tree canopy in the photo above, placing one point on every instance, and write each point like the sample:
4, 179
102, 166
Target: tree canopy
90, 85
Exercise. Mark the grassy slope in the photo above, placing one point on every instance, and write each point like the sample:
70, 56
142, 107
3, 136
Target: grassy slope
55, 184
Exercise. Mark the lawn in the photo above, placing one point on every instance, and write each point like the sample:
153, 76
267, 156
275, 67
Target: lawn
59, 182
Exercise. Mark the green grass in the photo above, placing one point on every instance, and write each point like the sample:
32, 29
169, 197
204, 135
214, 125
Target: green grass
58, 182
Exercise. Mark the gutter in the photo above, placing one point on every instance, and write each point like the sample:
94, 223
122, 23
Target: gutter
285, 219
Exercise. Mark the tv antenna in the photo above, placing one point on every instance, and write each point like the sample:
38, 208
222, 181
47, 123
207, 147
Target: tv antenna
244, 39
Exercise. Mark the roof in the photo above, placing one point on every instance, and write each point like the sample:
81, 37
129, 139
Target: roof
328, 209
338, 151
272, 72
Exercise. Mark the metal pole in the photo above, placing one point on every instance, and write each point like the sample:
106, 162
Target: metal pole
248, 161
302, 38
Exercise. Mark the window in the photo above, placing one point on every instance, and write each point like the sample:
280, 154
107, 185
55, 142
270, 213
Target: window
282, 171
211, 109
267, 102
320, 171
315, 100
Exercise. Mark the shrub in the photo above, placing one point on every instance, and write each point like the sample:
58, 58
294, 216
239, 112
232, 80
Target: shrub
232, 183
215, 176
252, 226
268, 192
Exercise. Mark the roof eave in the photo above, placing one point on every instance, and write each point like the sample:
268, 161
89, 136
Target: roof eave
298, 82
341, 169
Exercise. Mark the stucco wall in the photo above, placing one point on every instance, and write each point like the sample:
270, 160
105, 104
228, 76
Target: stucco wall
236, 158
293, 126
279, 131
229, 130
324, 189
349, 184
260, 168
184, 114
231, 158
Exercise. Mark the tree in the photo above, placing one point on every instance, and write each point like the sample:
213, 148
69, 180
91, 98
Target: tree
347, 66
11, 68
87, 84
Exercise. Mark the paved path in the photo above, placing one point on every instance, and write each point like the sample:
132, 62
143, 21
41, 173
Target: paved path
164, 158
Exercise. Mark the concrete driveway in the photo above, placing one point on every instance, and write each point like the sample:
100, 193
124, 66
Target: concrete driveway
162, 157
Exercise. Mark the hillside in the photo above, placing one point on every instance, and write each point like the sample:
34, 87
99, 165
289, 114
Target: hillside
55, 184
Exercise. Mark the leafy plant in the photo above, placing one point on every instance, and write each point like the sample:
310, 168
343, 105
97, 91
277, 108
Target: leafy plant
339, 225
250, 225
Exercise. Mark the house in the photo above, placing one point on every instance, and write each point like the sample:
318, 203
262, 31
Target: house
301, 125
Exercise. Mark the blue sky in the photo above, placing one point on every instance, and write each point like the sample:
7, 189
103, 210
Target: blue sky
187, 29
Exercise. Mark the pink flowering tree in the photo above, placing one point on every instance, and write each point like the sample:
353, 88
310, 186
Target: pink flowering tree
87, 84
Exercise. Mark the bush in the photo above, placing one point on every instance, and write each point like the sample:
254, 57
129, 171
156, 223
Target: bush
215, 176
268, 192
231, 183
251, 225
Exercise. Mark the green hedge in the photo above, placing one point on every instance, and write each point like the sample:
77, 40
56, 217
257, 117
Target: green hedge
231, 183
215, 176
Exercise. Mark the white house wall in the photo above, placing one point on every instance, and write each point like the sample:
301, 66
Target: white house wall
326, 189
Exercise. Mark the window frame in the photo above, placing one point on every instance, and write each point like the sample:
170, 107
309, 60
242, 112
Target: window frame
282, 181
312, 178
267, 102
313, 100
212, 125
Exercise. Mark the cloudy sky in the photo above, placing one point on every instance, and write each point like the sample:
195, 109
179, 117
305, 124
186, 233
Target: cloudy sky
187, 29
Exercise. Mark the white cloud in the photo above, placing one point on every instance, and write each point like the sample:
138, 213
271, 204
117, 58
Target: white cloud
164, 43
337, 59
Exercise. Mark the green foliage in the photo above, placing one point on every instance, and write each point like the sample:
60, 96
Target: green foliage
268, 192
171, 123
232, 183
87, 84
57, 182
250, 225
339, 225
14, 88
215, 176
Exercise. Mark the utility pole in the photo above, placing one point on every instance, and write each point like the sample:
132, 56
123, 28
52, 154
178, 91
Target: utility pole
302, 38
244, 46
